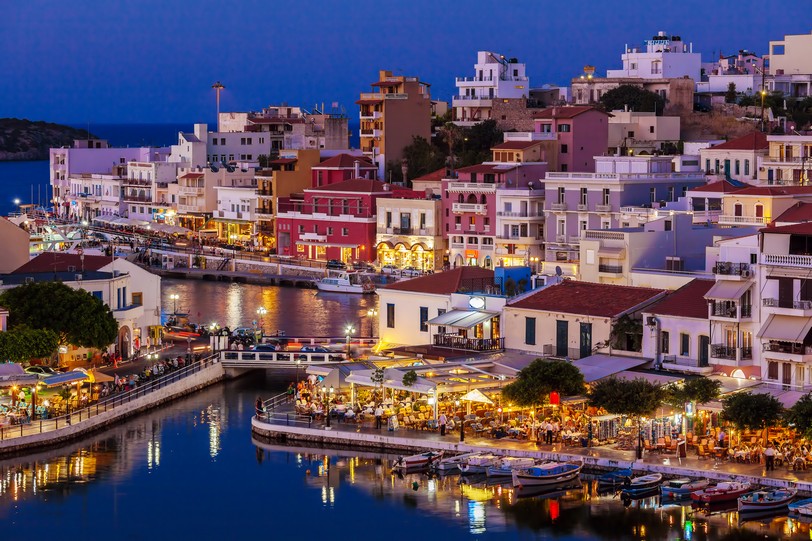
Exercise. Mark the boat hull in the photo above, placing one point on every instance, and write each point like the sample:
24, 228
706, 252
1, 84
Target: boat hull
769, 501
522, 479
715, 495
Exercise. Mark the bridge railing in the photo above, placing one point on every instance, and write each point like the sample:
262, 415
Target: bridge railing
289, 419
41, 426
294, 357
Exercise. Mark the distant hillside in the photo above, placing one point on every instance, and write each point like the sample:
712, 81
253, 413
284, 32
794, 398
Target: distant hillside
22, 139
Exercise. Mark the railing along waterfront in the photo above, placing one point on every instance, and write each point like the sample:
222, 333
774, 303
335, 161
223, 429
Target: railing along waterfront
74, 418
269, 413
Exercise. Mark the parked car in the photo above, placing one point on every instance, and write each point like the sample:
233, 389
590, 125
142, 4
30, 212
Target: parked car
389, 269
314, 349
243, 331
363, 266
41, 371
411, 271
264, 347
336, 264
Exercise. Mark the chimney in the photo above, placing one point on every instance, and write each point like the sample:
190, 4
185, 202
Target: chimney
357, 169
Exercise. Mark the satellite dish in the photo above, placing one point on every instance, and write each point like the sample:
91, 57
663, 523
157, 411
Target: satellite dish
558, 271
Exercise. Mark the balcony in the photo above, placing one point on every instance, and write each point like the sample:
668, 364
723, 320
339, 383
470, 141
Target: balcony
704, 216
264, 193
583, 207
486, 247
558, 207
727, 219
603, 208
476, 208
264, 215
790, 260
600, 234
369, 133
730, 310
723, 351
520, 214
686, 364
135, 182
790, 307
138, 198
610, 269
471, 101
231, 215
457, 245
732, 270
371, 115
471, 187
455, 341
788, 351
194, 209
188, 190
520, 238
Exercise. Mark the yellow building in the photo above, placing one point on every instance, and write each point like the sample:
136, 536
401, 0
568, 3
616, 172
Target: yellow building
760, 205
789, 160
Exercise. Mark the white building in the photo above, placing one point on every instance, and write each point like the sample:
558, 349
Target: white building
791, 65
495, 77
663, 57
633, 132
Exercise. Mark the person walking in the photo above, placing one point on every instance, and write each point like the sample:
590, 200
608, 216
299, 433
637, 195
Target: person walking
442, 420
769, 457
379, 417
548, 429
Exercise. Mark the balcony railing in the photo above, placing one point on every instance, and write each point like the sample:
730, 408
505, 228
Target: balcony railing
135, 182
583, 207
603, 208
789, 260
727, 268
558, 207
788, 347
604, 235
469, 207
522, 214
140, 198
722, 351
683, 361
719, 309
478, 187
788, 303
729, 219
455, 341
613, 269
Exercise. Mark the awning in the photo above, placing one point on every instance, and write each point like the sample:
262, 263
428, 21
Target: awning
462, 319
727, 290
733, 384
656, 379
611, 252
785, 328
599, 366
325, 244
392, 379
74, 376
787, 398
476, 396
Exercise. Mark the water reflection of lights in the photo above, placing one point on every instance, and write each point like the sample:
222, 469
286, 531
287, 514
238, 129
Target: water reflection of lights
153, 454
214, 422
476, 517
328, 496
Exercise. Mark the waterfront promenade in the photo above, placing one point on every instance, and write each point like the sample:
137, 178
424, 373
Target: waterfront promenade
283, 424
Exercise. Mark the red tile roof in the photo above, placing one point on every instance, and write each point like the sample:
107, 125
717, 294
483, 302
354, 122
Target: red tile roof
720, 186
776, 190
345, 161
487, 168
588, 298
369, 101
403, 193
794, 229
799, 212
361, 185
516, 145
567, 111
192, 175
60, 261
442, 283
283, 161
752, 141
687, 301
439, 174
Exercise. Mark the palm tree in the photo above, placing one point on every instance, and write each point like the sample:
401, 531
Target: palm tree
451, 134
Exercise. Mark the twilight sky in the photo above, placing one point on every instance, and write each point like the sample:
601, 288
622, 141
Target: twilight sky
116, 61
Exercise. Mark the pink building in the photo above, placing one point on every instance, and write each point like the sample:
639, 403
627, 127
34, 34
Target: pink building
582, 132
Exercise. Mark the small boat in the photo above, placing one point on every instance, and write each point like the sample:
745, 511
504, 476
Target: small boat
414, 462
721, 492
767, 500
555, 490
452, 463
615, 477
505, 466
642, 484
478, 463
682, 488
345, 282
801, 507
547, 474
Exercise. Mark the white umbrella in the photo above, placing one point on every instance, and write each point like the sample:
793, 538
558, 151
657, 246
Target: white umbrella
477, 396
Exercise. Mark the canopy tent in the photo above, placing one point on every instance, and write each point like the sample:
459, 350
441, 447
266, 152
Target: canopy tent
462, 319
731, 384
13, 374
105, 219
74, 376
726, 290
392, 379
600, 366
335, 376
99, 377
785, 328
476, 396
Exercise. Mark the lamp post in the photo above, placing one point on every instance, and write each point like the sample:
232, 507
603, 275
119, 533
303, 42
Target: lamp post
371, 313
261, 311
17, 204
349, 332
174, 297
218, 87
298, 362
327, 399
462, 422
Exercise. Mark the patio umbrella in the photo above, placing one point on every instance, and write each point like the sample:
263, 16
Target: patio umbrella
477, 396
99, 377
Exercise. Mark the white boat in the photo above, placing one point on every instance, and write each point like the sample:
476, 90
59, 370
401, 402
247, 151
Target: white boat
642, 485
453, 462
682, 488
345, 282
479, 463
801, 507
547, 474
505, 466
421, 460
767, 500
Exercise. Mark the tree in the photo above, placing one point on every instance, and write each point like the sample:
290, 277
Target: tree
730, 95
800, 415
541, 377
421, 156
452, 136
635, 98
75, 315
627, 334
698, 390
748, 411
634, 398
377, 378
409, 378
477, 142
23, 344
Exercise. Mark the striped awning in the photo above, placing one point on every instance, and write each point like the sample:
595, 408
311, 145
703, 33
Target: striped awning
726, 290
462, 319
74, 376
785, 328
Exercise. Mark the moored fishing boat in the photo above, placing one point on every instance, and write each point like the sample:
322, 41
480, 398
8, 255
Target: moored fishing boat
615, 477
421, 460
345, 282
642, 484
767, 500
452, 463
801, 507
683, 487
478, 463
547, 474
721, 492
504, 467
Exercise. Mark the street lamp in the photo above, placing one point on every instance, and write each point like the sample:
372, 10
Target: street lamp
261, 311
371, 313
349, 332
174, 297
462, 422
17, 204
327, 398
218, 87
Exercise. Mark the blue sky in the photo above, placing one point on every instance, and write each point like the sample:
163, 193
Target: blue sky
111, 61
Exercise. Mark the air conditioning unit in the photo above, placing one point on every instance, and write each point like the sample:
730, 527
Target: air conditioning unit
651, 321
77, 277
746, 273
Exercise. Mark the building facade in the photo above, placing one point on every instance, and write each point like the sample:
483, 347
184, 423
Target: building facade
495, 78
410, 232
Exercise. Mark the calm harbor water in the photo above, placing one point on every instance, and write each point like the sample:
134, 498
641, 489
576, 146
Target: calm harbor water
191, 470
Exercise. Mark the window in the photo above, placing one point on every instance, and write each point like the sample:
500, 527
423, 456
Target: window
329, 230
583, 196
390, 316
214, 141
652, 192
301, 228
651, 129
563, 128
667, 225
98, 295
736, 167
746, 167
664, 340
424, 318
138, 299
564, 149
670, 193
561, 194
772, 370
753, 259
605, 196
684, 344
530, 331
707, 165
546, 128
631, 134
345, 232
